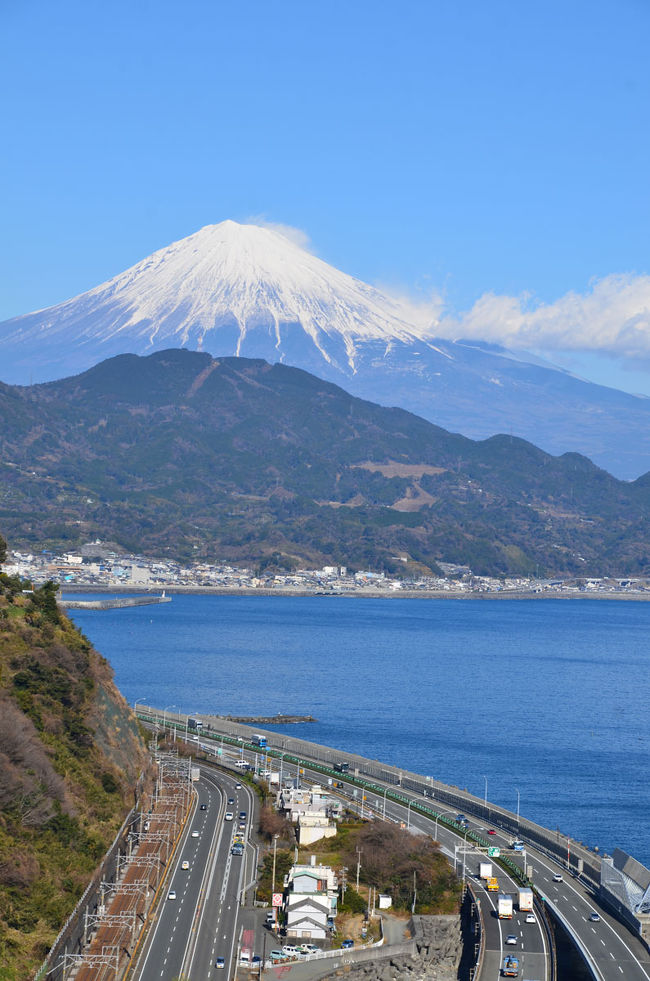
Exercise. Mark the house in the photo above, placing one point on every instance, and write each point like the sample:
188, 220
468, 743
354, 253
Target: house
310, 899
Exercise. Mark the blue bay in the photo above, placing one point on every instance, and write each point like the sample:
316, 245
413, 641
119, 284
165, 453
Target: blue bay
549, 698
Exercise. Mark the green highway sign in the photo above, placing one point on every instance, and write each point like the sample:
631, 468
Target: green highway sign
494, 852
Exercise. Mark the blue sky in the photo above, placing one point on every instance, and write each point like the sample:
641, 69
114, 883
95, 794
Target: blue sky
494, 157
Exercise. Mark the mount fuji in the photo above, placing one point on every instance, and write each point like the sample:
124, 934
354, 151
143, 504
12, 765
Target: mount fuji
250, 291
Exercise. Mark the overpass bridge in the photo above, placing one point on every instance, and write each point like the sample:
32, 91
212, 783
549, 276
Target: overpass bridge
615, 947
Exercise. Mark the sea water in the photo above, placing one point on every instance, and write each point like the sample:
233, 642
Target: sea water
543, 703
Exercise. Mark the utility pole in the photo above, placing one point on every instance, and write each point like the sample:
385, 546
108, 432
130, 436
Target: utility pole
358, 866
275, 908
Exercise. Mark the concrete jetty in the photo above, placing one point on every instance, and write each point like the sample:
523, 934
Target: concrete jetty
118, 603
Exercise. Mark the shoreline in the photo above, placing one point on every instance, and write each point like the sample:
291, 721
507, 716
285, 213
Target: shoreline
123, 588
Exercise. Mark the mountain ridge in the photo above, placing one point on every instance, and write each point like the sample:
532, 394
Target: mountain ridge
235, 459
243, 290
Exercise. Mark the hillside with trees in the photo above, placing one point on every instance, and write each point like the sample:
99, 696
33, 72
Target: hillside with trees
70, 756
182, 455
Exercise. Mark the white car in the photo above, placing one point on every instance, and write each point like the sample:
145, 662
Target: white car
172, 894
557, 877
185, 865
228, 816
511, 939
530, 918
195, 834
289, 950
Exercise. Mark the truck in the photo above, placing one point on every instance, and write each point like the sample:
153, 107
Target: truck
194, 724
258, 740
504, 906
510, 967
526, 899
493, 884
485, 870
341, 766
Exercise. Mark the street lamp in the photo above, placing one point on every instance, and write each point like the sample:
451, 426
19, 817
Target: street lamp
165, 713
518, 798
485, 798
408, 815
385, 792
135, 704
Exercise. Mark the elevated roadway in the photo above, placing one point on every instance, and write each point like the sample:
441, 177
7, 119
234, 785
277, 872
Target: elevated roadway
610, 950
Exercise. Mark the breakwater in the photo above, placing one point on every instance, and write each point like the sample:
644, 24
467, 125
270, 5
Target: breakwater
278, 720
118, 603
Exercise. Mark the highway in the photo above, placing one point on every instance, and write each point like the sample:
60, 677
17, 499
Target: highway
200, 924
610, 950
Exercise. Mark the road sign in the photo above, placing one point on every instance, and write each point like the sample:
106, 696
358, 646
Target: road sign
277, 899
494, 852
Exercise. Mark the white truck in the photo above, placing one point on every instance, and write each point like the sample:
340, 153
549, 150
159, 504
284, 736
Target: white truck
526, 899
504, 907
485, 870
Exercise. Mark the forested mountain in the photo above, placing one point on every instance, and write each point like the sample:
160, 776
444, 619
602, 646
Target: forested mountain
180, 454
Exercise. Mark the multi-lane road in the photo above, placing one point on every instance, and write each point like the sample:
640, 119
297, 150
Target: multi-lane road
197, 919
610, 950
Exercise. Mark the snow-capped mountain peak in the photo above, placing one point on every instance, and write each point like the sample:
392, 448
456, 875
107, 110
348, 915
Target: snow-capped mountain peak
235, 278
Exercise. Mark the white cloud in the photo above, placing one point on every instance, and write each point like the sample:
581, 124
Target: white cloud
613, 318
295, 235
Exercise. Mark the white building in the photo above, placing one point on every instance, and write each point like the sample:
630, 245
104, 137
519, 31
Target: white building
310, 898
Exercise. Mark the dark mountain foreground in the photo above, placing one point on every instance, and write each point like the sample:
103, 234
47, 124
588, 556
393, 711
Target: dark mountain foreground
70, 755
179, 454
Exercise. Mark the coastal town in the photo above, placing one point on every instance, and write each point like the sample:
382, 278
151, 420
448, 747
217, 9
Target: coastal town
97, 567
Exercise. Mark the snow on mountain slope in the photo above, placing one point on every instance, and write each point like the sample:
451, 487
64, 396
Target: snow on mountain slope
245, 290
232, 278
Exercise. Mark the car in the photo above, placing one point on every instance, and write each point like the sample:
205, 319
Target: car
530, 918
171, 894
491, 831
289, 950
228, 816
276, 955
511, 939
203, 807
242, 815
185, 865
594, 917
231, 800
195, 834
347, 943
242, 825
237, 786
517, 845
557, 877
220, 963
310, 948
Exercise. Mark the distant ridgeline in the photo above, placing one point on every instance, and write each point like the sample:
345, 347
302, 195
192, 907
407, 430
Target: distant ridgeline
181, 455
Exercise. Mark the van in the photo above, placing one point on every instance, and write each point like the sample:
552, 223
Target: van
242, 764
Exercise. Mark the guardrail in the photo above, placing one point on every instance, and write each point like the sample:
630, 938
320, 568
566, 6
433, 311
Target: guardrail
558, 846
355, 780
